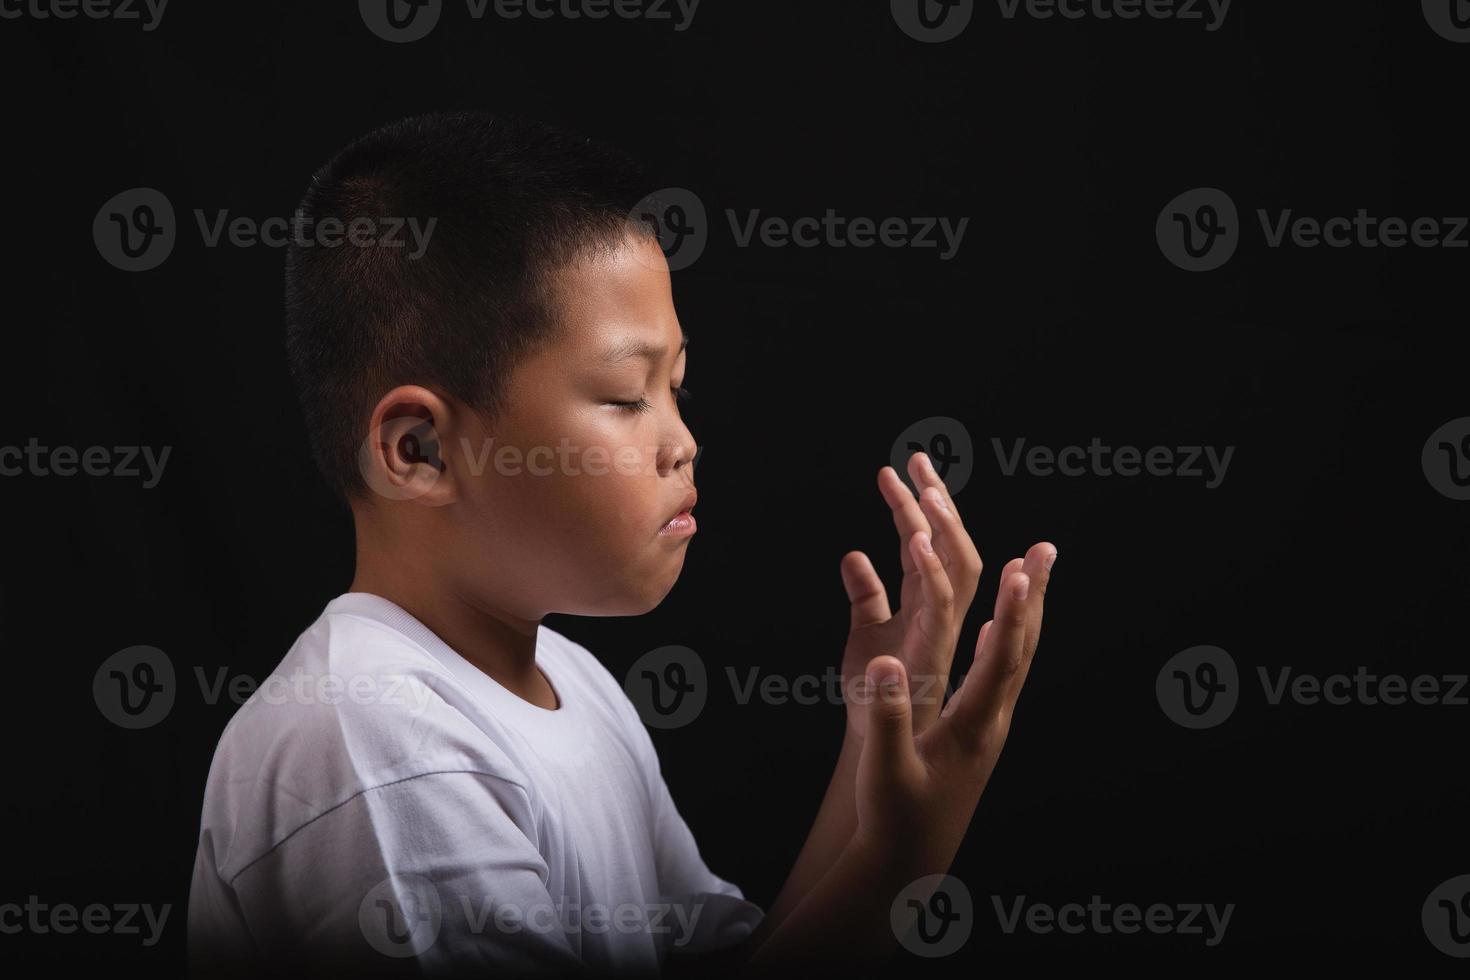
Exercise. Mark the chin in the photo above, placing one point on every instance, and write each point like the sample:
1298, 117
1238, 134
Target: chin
651, 601
637, 600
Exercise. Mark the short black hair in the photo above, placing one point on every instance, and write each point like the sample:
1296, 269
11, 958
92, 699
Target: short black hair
511, 200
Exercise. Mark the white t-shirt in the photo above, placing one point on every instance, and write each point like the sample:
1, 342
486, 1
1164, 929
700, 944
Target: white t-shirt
381, 801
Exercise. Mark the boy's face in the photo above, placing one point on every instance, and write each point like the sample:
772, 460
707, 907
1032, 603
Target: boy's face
569, 518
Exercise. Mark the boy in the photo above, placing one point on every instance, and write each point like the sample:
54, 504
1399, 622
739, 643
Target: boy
452, 787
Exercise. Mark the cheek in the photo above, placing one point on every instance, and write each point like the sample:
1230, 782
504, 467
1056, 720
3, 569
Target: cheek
592, 487
618, 506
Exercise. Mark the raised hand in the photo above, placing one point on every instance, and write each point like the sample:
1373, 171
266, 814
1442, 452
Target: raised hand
875, 631
912, 767
917, 790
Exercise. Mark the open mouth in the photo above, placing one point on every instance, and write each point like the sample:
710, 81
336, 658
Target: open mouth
681, 523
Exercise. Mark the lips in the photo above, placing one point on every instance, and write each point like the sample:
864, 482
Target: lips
686, 506
681, 524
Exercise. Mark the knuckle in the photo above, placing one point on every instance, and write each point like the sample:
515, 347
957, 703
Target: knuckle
1008, 664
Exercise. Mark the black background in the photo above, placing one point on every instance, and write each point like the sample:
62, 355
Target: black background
1059, 320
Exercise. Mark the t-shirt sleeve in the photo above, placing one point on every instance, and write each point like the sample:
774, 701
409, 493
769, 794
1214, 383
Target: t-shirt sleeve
725, 916
438, 868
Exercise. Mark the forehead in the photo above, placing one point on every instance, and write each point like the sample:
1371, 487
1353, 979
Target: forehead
615, 301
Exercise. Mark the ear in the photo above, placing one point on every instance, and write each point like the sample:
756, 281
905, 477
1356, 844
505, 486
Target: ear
404, 456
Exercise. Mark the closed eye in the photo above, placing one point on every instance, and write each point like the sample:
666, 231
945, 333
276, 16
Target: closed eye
644, 405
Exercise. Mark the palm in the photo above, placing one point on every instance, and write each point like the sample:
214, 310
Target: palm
875, 639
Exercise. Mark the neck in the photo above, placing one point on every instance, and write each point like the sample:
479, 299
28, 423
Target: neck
497, 641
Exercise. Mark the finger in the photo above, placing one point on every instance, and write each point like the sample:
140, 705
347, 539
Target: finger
988, 691
952, 542
928, 642
951, 539
888, 748
908, 518
865, 590
922, 472
954, 699
1037, 565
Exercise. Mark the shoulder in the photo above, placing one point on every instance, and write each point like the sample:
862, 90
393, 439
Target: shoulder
353, 706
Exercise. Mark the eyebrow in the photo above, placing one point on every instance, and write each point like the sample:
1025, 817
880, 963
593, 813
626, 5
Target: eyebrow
640, 348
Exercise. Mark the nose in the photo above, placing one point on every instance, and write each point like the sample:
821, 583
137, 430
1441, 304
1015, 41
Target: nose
678, 451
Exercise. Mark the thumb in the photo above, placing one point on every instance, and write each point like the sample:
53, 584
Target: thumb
890, 739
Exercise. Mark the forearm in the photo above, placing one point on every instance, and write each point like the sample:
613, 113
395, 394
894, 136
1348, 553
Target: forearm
842, 926
835, 823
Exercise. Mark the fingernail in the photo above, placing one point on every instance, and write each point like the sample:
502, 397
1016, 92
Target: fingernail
1050, 561
938, 497
1023, 587
925, 545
